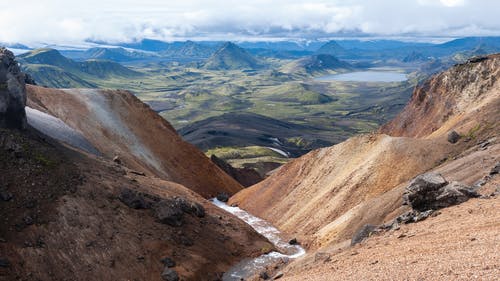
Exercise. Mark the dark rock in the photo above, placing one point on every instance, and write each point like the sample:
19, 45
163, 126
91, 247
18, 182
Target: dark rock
169, 275
223, 197
263, 275
198, 210
4, 262
117, 160
362, 233
169, 212
28, 220
453, 137
12, 92
293, 241
5, 195
431, 192
278, 275
190, 207
245, 176
168, 262
134, 199
412, 216
477, 59
495, 170
423, 190
453, 194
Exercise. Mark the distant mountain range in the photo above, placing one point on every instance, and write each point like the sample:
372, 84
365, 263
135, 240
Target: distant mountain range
187, 51
49, 68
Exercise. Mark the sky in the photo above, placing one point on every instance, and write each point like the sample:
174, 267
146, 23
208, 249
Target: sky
73, 22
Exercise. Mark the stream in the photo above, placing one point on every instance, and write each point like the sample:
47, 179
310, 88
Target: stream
251, 266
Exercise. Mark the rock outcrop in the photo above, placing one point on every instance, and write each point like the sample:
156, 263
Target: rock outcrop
432, 191
12, 92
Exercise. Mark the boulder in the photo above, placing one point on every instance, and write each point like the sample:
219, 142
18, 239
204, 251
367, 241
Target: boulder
293, 241
190, 207
453, 194
453, 137
423, 190
169, 212
432, 192
169, 274
12, 92
134, 199
223, 197
363, 233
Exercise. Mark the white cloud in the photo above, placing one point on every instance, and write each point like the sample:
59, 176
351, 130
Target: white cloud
65, 21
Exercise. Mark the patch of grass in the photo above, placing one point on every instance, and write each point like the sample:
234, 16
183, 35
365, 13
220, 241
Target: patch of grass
472, 132
228, 153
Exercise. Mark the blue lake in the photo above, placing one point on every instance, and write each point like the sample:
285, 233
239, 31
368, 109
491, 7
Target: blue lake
365, 76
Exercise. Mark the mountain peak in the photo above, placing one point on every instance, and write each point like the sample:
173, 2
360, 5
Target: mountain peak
231, 56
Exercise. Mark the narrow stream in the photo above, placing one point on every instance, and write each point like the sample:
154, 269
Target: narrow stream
249, 267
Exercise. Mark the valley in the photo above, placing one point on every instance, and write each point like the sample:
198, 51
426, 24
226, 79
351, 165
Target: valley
294, 165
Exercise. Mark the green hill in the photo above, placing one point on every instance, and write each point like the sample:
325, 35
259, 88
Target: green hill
315, 64
232, 57
49, 68
331, 48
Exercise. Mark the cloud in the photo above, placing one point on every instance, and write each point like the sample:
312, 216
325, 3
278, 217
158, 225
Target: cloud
63, 21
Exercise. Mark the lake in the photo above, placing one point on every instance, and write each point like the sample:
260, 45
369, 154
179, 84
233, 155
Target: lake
365, 76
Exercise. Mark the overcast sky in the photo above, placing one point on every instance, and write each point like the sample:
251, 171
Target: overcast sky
68, 21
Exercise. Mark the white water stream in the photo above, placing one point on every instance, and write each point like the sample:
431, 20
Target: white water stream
249, 267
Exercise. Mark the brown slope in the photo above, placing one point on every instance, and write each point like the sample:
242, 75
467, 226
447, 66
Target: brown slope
318, 196
461, 98
65, 221
118, 124
460, 243
326, 195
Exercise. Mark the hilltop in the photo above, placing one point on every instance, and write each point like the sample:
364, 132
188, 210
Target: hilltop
230, 57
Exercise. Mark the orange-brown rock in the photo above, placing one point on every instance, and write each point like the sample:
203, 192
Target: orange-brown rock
119, 124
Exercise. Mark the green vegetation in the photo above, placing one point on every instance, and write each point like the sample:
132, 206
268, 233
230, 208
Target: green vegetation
228, 153
313, 113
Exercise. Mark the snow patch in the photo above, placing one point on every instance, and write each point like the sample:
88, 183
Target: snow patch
57, 129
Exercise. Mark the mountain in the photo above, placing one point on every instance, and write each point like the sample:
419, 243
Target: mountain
49, 68
117, 124
231, 57
329, 196
188, 49
316, 64
331, 48
115, 54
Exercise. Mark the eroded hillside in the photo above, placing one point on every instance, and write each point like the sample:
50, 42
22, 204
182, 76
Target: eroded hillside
327, 195
117, 124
